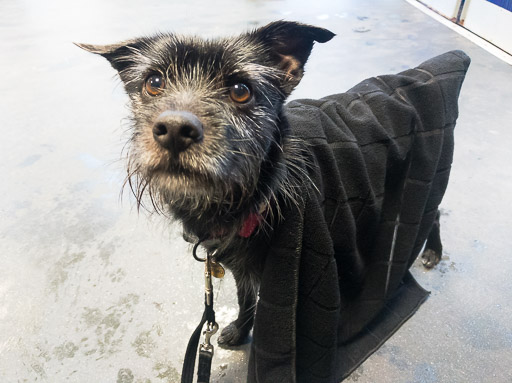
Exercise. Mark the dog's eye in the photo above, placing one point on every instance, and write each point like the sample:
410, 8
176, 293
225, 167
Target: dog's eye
154, 84
240, 93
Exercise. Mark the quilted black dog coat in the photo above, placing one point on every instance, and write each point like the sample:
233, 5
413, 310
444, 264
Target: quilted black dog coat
336, 284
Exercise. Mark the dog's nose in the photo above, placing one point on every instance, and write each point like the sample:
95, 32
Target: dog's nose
177, 130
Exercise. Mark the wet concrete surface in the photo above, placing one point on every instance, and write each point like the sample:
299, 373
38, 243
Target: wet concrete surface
92, 291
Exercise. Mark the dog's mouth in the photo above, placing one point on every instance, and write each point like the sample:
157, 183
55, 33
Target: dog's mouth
189, 172
198, 162
178, 171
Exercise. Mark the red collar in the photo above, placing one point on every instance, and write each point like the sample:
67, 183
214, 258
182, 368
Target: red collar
250, 224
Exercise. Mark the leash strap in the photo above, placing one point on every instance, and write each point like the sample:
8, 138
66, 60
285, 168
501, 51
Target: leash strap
187, 373
206, 349
204, 366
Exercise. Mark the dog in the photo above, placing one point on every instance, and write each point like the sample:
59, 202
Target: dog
210, 143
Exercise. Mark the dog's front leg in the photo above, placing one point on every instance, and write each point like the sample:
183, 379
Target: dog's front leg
237, 331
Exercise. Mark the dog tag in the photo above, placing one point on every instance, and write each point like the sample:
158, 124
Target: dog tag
217, 269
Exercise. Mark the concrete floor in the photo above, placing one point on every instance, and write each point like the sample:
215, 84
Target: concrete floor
91, 291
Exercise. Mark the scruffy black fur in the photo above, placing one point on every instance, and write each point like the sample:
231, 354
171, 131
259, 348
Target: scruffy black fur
206, 158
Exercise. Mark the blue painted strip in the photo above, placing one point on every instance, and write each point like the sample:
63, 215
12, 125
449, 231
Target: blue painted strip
506, 4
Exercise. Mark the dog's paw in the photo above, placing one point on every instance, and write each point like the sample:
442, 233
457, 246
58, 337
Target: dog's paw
231, 336
430, 258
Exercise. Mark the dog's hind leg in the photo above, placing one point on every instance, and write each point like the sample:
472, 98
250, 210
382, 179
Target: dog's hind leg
433, 248
236, 332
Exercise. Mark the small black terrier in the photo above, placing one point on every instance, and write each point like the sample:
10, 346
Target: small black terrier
211, 145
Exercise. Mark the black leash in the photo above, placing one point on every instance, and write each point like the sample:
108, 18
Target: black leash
206, 348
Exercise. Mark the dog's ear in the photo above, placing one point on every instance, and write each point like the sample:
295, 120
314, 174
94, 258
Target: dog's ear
119, 55
290, 45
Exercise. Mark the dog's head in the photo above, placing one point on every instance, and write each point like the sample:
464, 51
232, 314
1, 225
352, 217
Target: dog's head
206, 113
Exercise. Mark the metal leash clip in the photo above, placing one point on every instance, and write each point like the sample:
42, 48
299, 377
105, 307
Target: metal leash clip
206, 348
208, 285
211, 329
